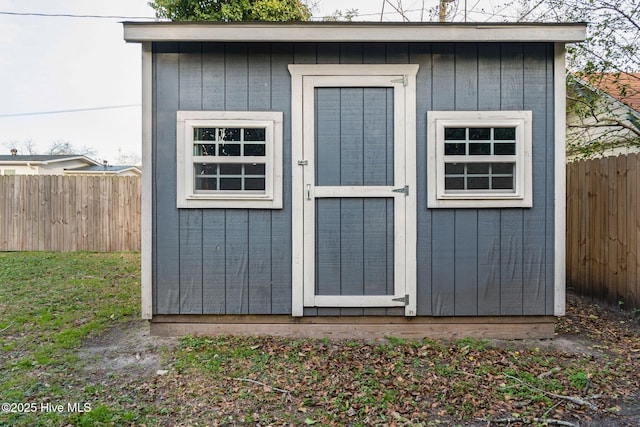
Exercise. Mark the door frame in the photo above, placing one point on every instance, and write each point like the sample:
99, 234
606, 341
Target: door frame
402, 77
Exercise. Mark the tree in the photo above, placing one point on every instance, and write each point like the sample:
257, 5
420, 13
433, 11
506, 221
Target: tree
27, 146
61, 146
340, 15
231, 10
609, 58
128, 158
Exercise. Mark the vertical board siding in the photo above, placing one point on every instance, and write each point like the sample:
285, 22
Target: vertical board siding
191, 251
511, 220
166, 289
549, 185
421, 54
281, 256
443, 260
237, 262
470, 261
535, 288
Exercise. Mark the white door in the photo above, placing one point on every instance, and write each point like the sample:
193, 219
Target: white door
354, 186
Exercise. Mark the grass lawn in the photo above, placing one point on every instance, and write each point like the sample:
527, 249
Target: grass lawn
72, 353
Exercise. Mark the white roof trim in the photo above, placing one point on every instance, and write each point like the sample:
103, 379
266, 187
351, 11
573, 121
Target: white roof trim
90, 162
66, 159
351, 32
102, 172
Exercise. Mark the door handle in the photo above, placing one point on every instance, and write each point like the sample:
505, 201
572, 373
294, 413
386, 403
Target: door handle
308, 191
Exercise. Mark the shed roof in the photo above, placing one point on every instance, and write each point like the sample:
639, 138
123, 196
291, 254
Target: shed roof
352, 32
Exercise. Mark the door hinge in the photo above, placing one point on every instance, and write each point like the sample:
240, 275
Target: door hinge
303, 162
404, 190
404, 299
404, 80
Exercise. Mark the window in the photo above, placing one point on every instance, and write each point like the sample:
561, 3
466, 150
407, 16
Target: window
229, 159
479, 159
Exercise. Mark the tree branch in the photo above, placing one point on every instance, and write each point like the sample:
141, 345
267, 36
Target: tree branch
280, 390
607, 123
549, 421
576, 400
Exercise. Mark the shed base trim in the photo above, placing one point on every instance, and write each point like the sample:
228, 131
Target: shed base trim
365, 327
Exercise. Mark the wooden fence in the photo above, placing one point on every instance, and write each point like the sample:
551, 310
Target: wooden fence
603, 229
69, 213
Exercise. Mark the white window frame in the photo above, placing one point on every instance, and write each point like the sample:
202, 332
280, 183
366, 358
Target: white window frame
521, 196
187, 197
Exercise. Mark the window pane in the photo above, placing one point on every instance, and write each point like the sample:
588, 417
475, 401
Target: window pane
455, 134
481, 149
206, 183
454, 183
455, 149
504, 149
204, 134
254, 135
206, 169
230, 183
204, 150
231, 169
254, 169
229, 150
477, 168
502, 168
229, 134
453, 168
479, 133
503, 134
254, 149
254, 184
478, 183
502, 183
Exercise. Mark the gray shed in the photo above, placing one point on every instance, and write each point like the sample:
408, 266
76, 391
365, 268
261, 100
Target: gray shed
353, 179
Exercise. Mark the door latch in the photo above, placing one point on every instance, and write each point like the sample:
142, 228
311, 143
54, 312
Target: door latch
404, 190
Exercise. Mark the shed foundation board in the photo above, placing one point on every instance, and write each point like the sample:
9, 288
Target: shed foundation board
527, 327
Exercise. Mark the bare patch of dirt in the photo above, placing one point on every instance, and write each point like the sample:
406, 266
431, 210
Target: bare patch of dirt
125, 349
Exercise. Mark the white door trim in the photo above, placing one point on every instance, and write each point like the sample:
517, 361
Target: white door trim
303, 79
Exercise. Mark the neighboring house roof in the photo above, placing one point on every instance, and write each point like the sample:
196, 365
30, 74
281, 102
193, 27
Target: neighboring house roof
606, 122
104, 170
624, 87
68, 164
43, 159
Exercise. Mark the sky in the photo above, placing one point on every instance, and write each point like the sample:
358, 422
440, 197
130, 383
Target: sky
74, 79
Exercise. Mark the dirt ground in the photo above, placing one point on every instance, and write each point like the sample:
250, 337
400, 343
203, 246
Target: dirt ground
127, 355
